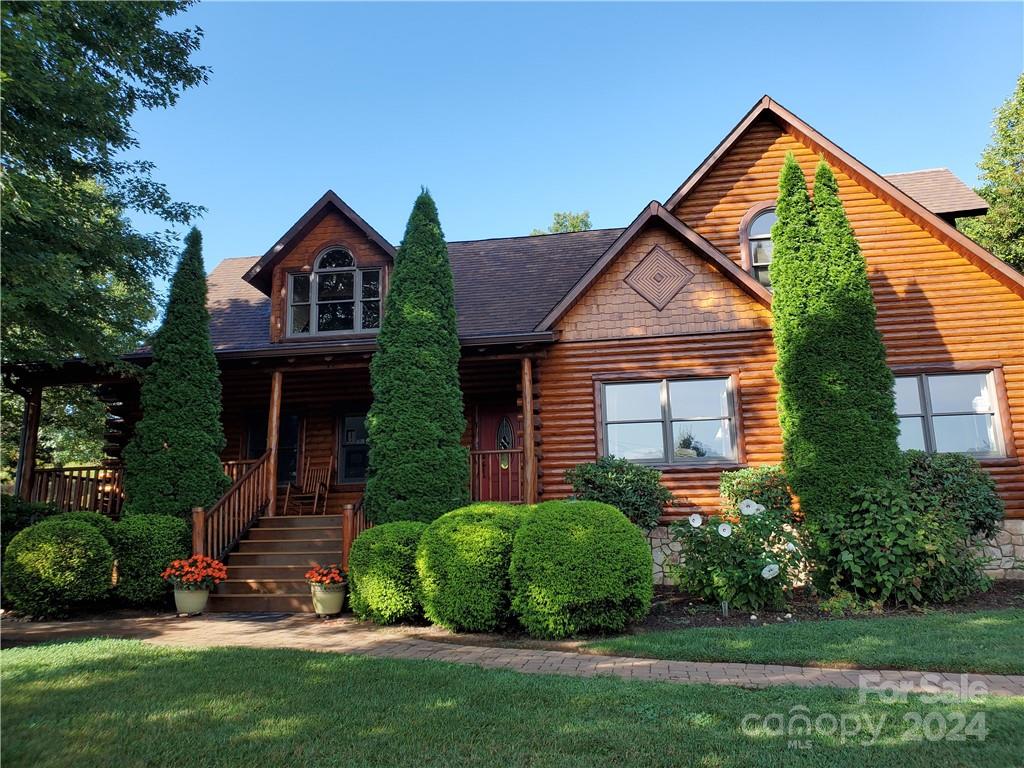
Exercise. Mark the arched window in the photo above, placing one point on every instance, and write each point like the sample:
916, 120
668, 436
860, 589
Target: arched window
337, 297
757, 237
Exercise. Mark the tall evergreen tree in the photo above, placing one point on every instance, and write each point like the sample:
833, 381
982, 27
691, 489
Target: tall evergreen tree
418, 467
173, 462
836, 404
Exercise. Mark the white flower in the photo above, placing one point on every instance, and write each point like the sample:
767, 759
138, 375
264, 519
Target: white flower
790, 546
753, 617
696, 520
770, 571
725, 530
760, 508
749, 507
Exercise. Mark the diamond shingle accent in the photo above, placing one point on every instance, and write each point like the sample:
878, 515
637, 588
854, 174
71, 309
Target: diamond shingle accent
658, 277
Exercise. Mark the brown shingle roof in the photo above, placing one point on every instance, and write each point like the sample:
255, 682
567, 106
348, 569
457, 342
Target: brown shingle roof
940, 191
503, 286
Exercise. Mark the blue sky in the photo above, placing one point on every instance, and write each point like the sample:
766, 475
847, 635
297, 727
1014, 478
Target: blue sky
508, 112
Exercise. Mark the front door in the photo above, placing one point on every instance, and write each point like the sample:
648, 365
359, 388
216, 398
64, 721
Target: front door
497, 457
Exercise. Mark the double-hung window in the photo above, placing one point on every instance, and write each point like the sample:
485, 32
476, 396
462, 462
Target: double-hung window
684, 421
949, 412
336, 298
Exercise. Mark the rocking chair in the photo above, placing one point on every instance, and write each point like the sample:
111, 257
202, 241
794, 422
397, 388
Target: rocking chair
310, 490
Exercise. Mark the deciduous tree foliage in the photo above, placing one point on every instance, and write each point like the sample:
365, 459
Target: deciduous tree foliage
76, 275
173, 461
1001, 230
418, 468
566, 221
836, 404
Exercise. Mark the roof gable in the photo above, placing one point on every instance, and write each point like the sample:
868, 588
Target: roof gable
655, 214
862, 174
260, 275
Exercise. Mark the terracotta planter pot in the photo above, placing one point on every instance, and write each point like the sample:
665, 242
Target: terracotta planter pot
327, 600
191, 601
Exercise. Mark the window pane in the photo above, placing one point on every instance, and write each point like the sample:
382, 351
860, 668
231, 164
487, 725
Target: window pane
300, 319
627, 402
355, 463
337, 285
960, 392
701, 440
699, 398
336, 316
765, 279
760, 252
371, 284
354, 430
300, 289
908, 395
912, 434
640, 442
967, 434
762, 224
338, 258
371, 314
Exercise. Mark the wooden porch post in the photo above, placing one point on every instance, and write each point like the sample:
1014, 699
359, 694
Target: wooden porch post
273, 433
529, 448
29, 442
199, 531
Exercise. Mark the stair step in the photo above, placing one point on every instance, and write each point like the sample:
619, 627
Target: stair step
299, 521
301, 559
298, 602
303, 546
268, 572
261, 586
308, 533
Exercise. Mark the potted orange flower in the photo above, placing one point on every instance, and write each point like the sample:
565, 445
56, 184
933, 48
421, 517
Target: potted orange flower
327, 585
193, 579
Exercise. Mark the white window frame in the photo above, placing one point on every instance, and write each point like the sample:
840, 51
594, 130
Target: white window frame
314, 302
752, 240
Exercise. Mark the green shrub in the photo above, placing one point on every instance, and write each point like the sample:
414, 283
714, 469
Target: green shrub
16, 514
634, 489
579, 566
749, 556
383, 583
959, 484
100, 522
463, 562
899, 547
55, 565
145, 545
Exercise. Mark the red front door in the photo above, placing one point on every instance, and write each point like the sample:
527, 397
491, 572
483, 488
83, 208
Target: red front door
497, 457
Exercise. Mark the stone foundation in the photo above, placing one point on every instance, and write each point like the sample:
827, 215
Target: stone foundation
1006, 551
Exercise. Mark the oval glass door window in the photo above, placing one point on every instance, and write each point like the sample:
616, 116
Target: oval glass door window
504, 440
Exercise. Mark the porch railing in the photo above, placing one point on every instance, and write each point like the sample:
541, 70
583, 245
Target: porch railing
97, 489
497, 475
215, 531
235, 469
353, 523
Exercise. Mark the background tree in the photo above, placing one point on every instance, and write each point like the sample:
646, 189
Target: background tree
418, 468
836, 405
76, 275
566, 221
1001, 230
173, 461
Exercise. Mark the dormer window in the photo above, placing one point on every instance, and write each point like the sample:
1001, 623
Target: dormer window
756, 242
336, 298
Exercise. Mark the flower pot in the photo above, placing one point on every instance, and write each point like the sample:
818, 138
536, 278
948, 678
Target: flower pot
328, 600
191, 601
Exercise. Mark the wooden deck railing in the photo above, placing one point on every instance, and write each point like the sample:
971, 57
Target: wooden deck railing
497, 475
97, 489
215, 531
235, 469
353, 523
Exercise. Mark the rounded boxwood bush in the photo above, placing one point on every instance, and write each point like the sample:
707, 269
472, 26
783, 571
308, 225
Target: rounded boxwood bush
145, 545
579, 567
100, 522
463, 561
16, 514
55, 565
383, 584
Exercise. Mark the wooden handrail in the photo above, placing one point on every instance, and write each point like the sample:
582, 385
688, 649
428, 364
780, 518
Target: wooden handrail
352, 524
217, 530
94, 488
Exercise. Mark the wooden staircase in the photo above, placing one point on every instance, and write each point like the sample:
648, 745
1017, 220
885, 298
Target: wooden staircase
265, 571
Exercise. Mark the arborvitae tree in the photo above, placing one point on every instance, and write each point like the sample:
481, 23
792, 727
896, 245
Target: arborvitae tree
418, 467
836, 403
173, 461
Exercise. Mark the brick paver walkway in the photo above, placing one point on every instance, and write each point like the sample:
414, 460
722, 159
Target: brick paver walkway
349, 636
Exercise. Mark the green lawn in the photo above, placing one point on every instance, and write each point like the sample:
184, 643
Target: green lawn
123, 703
986, 641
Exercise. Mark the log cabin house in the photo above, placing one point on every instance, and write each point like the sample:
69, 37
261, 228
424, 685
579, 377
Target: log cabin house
651, 342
